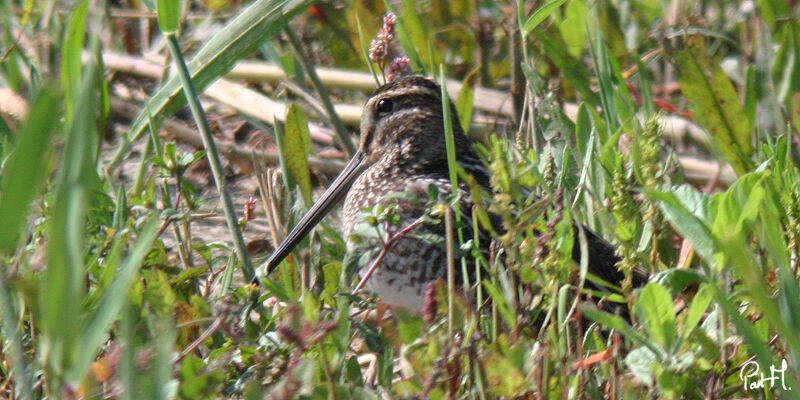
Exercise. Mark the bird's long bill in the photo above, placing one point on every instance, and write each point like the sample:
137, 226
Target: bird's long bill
329, 199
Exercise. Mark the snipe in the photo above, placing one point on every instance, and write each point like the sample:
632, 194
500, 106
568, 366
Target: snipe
402, 150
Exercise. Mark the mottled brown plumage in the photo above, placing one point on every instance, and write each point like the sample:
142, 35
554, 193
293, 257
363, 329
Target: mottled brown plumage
402, 135
402, 150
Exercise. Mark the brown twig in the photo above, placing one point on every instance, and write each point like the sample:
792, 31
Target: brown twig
385, 250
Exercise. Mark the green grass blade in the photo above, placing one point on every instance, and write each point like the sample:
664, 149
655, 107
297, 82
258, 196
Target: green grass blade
212, 155
25, 173
605, 78
63, 285
540, 15
13, 350
108, 308
71, 57
362, 39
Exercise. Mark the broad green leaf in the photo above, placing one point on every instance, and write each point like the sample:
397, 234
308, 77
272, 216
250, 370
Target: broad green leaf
573, 28
169, 15
465, 99
671, 382
239, 38
700, 302
409, 325
714, 102
640, 362
654, 307
738, 207
296, 146
685, 221
540, 15
410, 23
677, 280
24, 173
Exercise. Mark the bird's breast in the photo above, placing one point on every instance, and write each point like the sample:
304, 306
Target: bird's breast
409, 262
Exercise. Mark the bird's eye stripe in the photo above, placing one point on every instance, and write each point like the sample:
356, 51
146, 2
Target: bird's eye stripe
410, 91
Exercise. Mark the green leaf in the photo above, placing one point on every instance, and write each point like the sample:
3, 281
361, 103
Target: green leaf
169, 15
605, 78
24, 173
465, 99
362, 39
71, 57
540, 15
63, 284
99, 320
573, 27
450, 148
410, 24
646, 87
583, 130
654, 307
409, 325
700, 302
750, 100
574, 71
677, 280
619, 324
685, 221
714, 102
744, 327
640, 362
787, 61
507, 380
500, 301
296, 146
738, 207
406, 42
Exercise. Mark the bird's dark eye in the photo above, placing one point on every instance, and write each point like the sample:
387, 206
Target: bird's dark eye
384, 106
